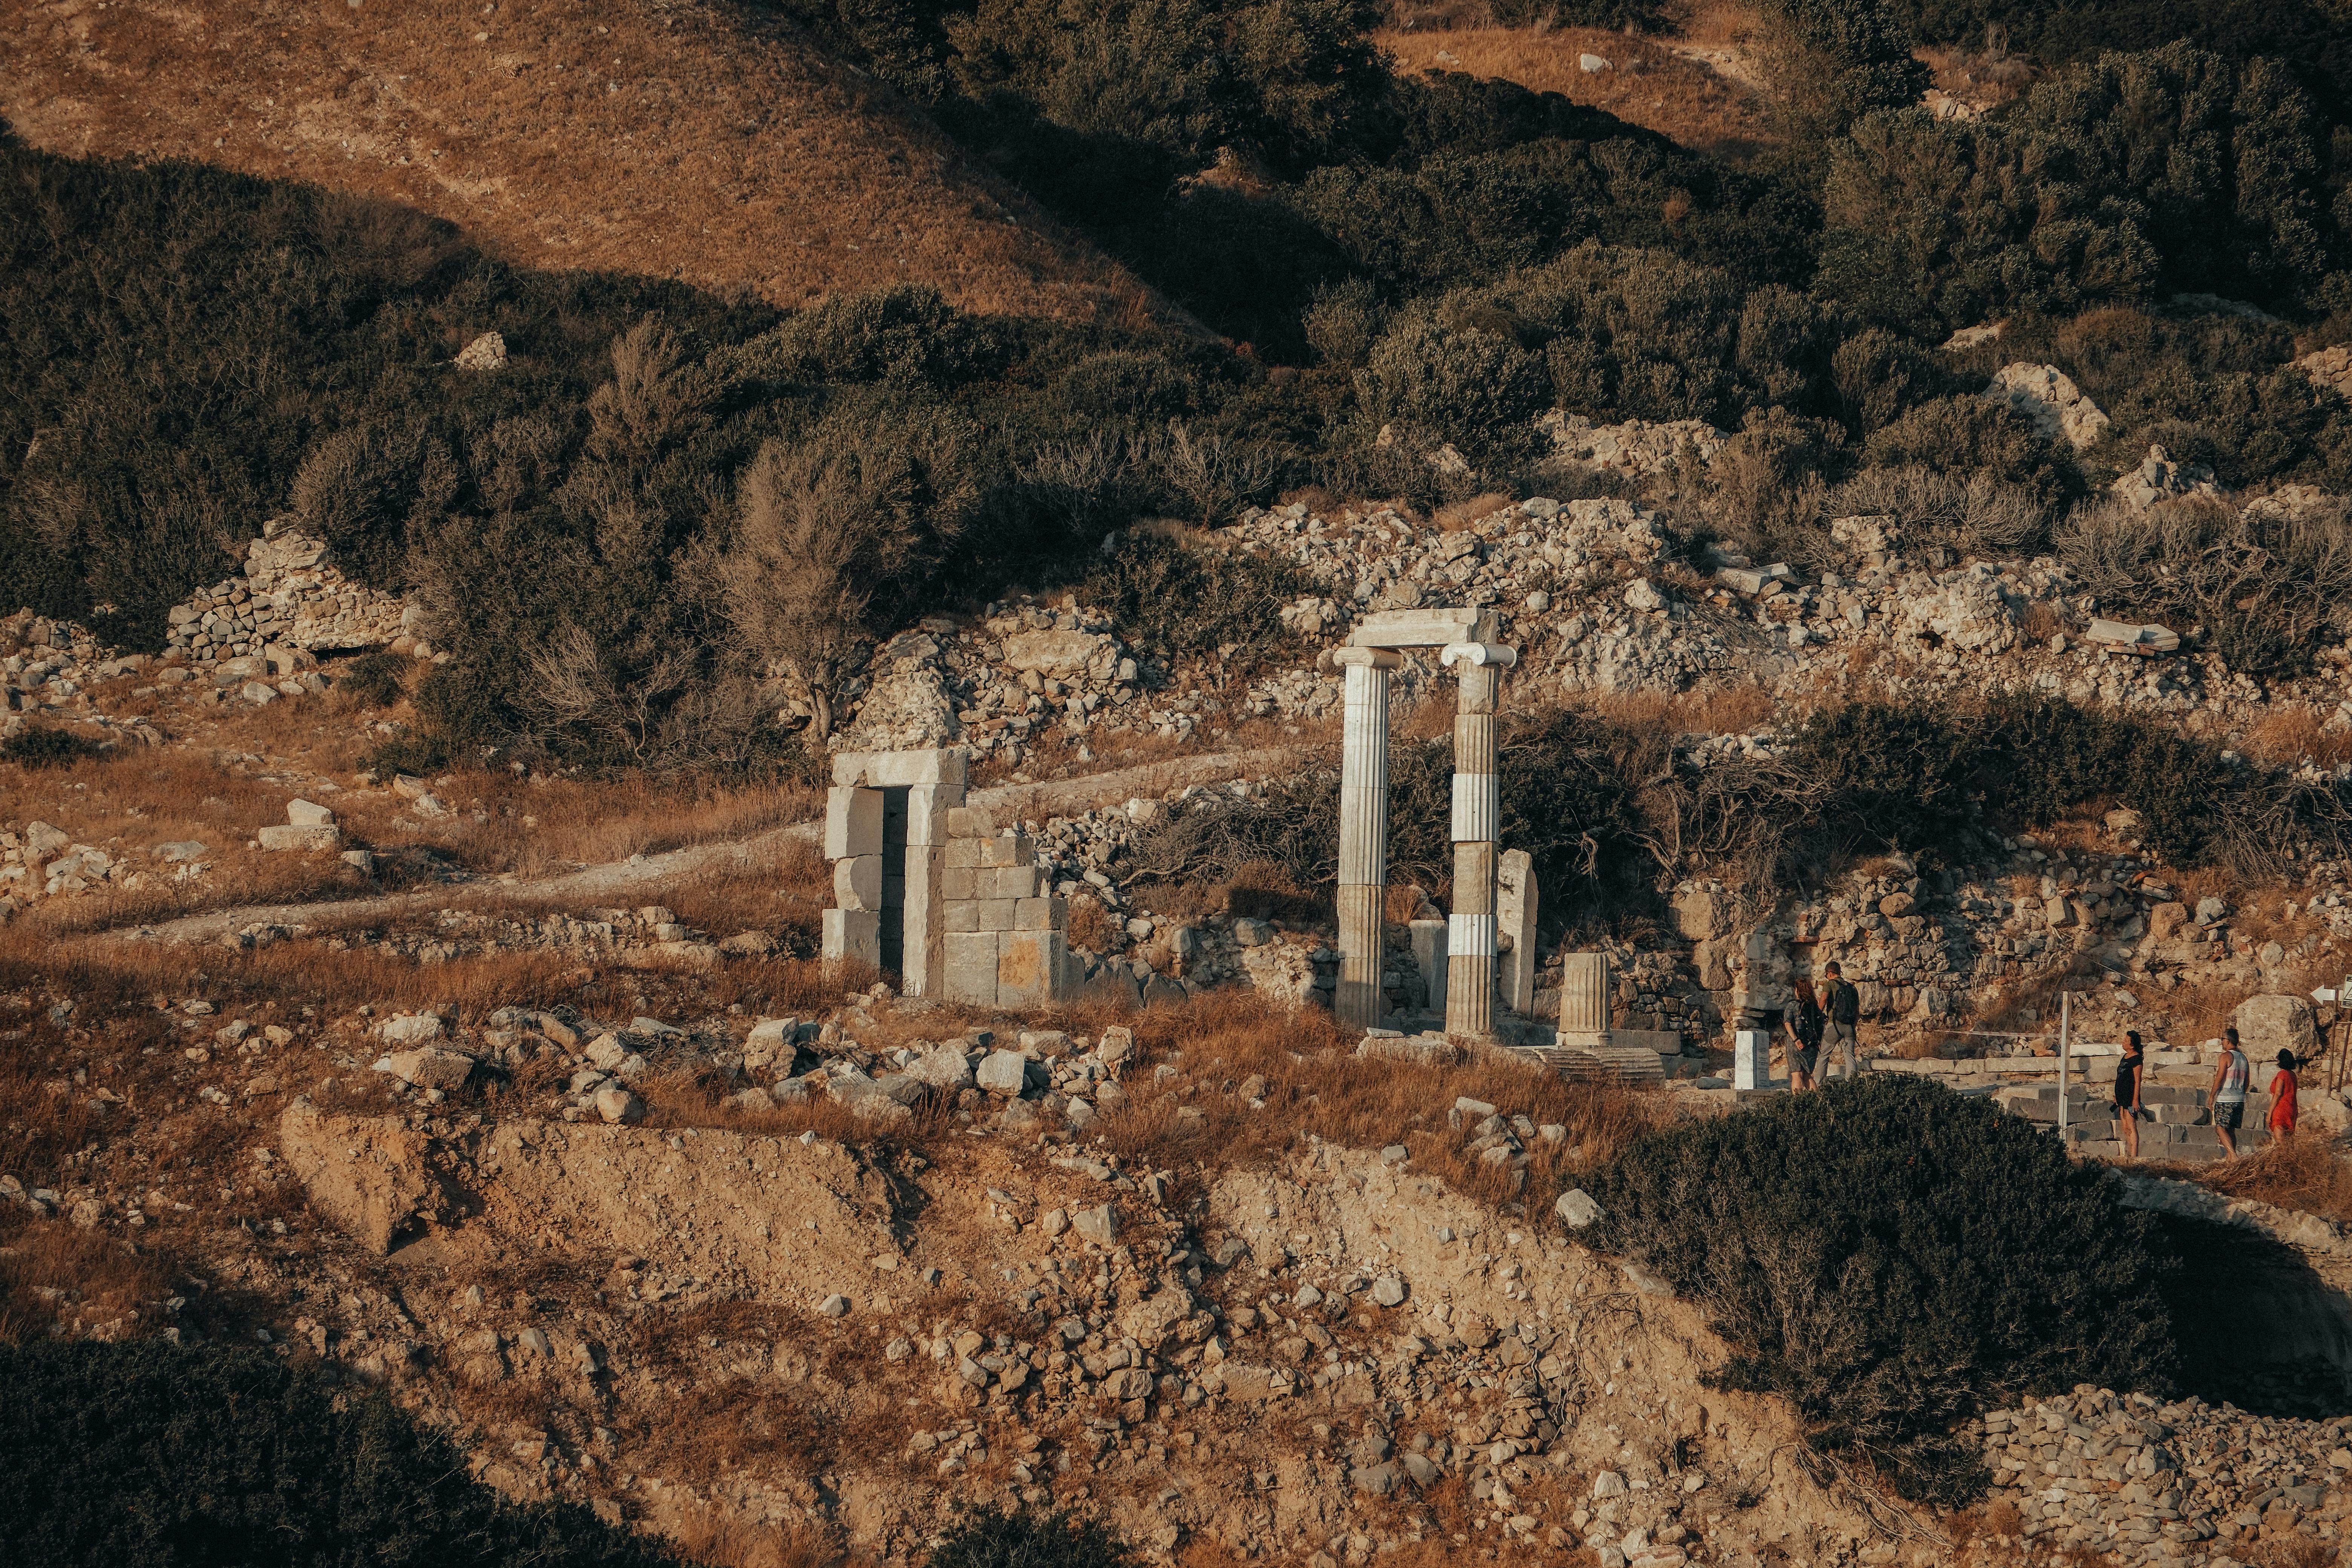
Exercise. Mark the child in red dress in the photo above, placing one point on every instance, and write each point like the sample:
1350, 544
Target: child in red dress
2283, 1108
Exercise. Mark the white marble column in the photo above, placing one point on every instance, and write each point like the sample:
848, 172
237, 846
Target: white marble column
1363, 832
1477, 801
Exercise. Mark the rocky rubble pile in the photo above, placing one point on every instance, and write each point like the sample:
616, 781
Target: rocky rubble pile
2181, 1482
46, 669
290, 596
1636, 448
1040, 1079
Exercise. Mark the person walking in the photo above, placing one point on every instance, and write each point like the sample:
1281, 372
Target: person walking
2283, 1085
2127, 1094
1842, 1008
2228, 1091
1803, 1021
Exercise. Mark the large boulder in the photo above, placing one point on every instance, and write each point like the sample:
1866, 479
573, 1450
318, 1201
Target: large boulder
2047, 399
429, 1066
1054, 652
366, 1174
2268, 1024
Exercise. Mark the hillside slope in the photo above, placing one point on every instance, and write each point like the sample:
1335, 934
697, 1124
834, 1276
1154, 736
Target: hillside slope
683, 140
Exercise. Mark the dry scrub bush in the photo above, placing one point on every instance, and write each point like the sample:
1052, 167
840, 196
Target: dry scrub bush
1456, 516
1978, 515
2293, 733
2304, 1173
2265, 587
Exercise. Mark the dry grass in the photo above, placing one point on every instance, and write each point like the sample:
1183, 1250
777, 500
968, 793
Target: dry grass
2304, 1173
692, 141
501, 824
1314, 1085
2297, 733
1718, 711
1459, 515
1652, 82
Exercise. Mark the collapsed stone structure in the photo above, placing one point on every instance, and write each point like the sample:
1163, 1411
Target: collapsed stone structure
291, 596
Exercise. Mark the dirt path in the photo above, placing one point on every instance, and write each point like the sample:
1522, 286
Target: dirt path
652, 873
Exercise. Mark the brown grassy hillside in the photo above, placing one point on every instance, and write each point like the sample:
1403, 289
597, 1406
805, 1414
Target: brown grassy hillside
674, 138
1688, 87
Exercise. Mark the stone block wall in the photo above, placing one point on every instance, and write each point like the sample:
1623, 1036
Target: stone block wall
1007, 938
290, 596
930, 886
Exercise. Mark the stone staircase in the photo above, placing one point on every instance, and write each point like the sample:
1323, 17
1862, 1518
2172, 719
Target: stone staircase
2179, 1124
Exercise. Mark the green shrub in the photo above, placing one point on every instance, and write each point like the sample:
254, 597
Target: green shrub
1969, 436
147, 1455
1932, 225
48, 746
992, 1538
2313, 39
1928, 776
1828, 62
1894, 1259
1464, 379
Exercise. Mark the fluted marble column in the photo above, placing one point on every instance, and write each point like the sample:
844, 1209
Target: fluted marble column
1363, 832
1477, 803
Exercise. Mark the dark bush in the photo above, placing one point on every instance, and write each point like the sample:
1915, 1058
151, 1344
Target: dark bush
2312, 36
1970, 436
376, 680
147, 1455
1893, 1259
1564, 801
1927, 775
48, 746
1182, 600
992, 1538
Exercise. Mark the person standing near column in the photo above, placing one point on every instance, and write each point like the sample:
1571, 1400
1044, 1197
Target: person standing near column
2127, 1094
1842, 1006
1804, 1022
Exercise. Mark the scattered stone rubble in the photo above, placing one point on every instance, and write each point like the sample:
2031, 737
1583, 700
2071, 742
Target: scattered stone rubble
2159, 479
46, 669
2180, 1482
1636, 448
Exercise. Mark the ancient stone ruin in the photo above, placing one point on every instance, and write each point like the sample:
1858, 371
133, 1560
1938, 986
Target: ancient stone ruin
290, 597
1467, 995
925, 885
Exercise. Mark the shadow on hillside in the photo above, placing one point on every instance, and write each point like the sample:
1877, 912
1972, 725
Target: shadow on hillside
2257, 1325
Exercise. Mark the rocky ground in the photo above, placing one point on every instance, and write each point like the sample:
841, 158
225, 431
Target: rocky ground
815, 1277
2138, 1480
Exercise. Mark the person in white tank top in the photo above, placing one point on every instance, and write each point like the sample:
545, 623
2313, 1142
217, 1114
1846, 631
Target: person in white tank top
2229, 1092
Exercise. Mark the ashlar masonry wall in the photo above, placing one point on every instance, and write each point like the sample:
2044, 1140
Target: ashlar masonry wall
929, 886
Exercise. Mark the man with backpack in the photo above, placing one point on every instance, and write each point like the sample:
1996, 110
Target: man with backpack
1842, 1007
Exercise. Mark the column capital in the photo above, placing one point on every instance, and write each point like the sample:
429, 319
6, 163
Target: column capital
1477, 653
1368, 658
